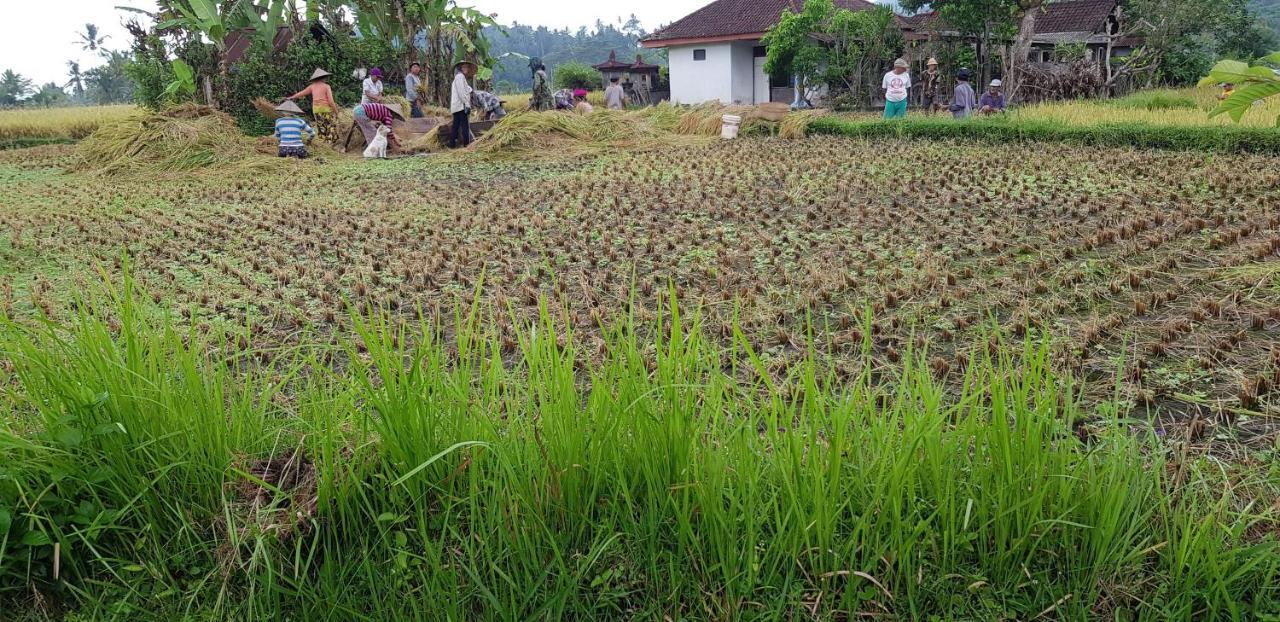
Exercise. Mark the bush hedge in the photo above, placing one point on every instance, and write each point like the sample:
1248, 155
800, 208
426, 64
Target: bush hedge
1230, 139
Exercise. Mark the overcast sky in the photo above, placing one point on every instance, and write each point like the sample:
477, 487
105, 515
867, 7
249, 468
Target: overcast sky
38, 38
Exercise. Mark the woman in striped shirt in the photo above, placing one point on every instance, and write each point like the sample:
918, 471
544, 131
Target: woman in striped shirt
289, 131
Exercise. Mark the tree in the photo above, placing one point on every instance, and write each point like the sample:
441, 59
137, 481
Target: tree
49, 95
1022, 15
435, 32
76, 81
13, 88
1181, 38
90, 40
840, 48
109, 83
576, 76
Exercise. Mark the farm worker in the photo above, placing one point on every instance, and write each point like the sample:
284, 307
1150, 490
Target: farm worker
411, 83
289, 131
1228, 89
460, 103
964, 99
371, 90
323, 107
541, 92
582, 106
992, 102
614, 97
895, 86
369, 116
564, 99
488, 104
931, 92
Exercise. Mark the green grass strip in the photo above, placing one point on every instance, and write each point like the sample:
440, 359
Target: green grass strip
1005, 130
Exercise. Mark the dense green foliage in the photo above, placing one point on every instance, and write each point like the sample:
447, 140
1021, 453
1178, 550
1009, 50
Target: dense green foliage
1254, 84
439, 478
575, 75
1136, 135
846, 50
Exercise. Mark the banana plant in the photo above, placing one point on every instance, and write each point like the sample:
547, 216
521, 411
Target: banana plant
1253, 84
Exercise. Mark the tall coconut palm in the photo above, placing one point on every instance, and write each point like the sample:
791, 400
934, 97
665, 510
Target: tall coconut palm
91, 39
77, 79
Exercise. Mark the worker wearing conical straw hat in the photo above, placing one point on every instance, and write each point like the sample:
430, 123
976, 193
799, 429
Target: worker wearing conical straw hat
460, 102
290, 129
323, 107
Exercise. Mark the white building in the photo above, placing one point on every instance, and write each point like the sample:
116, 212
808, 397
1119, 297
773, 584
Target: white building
715, 53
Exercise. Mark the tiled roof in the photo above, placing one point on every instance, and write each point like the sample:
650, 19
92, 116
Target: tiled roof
726, 18
613, 64
1075, 16
1085, 16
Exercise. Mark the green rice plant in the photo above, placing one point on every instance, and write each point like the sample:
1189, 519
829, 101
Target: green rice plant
1019, 129
1158, 99
425, 471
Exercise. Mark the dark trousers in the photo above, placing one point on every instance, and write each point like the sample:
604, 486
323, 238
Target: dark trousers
461, 130
414, 110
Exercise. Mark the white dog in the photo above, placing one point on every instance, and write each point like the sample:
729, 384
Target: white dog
378, 146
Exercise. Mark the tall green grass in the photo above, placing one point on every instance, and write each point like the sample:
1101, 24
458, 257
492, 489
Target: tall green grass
458, 479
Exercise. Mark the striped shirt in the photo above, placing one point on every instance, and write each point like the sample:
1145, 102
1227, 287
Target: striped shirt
378, 113
290, 129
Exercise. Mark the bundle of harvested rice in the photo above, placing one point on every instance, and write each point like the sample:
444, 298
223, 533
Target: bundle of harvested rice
559, 131
796, 123
399, 104
181, 138
266, 108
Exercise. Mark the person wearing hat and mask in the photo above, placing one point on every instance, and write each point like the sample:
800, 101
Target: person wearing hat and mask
931, 91
323, 107
460, 103
371, 89
895, 85
541, 99
992, 102
369, 116
290, 129
964, 99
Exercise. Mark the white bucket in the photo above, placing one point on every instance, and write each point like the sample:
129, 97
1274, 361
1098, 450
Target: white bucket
729, 129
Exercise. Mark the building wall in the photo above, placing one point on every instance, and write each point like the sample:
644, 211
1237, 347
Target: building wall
744, 72
698, 81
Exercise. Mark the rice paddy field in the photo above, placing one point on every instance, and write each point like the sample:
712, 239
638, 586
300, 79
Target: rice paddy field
825, 378
22, 126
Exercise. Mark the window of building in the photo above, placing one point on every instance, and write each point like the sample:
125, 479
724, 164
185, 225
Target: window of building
699, 55
759, 52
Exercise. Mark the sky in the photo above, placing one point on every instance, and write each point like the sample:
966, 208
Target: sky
38, 38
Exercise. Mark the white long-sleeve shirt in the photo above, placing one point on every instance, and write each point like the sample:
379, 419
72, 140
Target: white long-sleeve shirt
460, 98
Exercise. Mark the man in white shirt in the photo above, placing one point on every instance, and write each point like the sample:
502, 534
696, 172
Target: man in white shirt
895, 85
460, 103
372, 88
614, 96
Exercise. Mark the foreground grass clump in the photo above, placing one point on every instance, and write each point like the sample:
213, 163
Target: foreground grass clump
469, 478
31, 126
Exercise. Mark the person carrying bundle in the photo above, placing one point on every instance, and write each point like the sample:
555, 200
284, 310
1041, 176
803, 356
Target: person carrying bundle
289, 131
323, 106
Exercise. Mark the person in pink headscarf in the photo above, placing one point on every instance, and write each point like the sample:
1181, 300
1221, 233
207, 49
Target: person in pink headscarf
582, 106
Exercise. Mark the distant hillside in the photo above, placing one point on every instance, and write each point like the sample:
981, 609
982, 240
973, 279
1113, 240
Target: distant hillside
1268, 11
556, 47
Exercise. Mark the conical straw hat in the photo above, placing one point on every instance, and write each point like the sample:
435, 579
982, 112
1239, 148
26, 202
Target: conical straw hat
319, 73
289, 106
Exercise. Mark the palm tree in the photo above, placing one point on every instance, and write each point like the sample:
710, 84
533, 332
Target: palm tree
77, 79
13, 87
91, 39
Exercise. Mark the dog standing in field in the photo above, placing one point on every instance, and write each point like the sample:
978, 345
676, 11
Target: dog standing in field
378, 146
